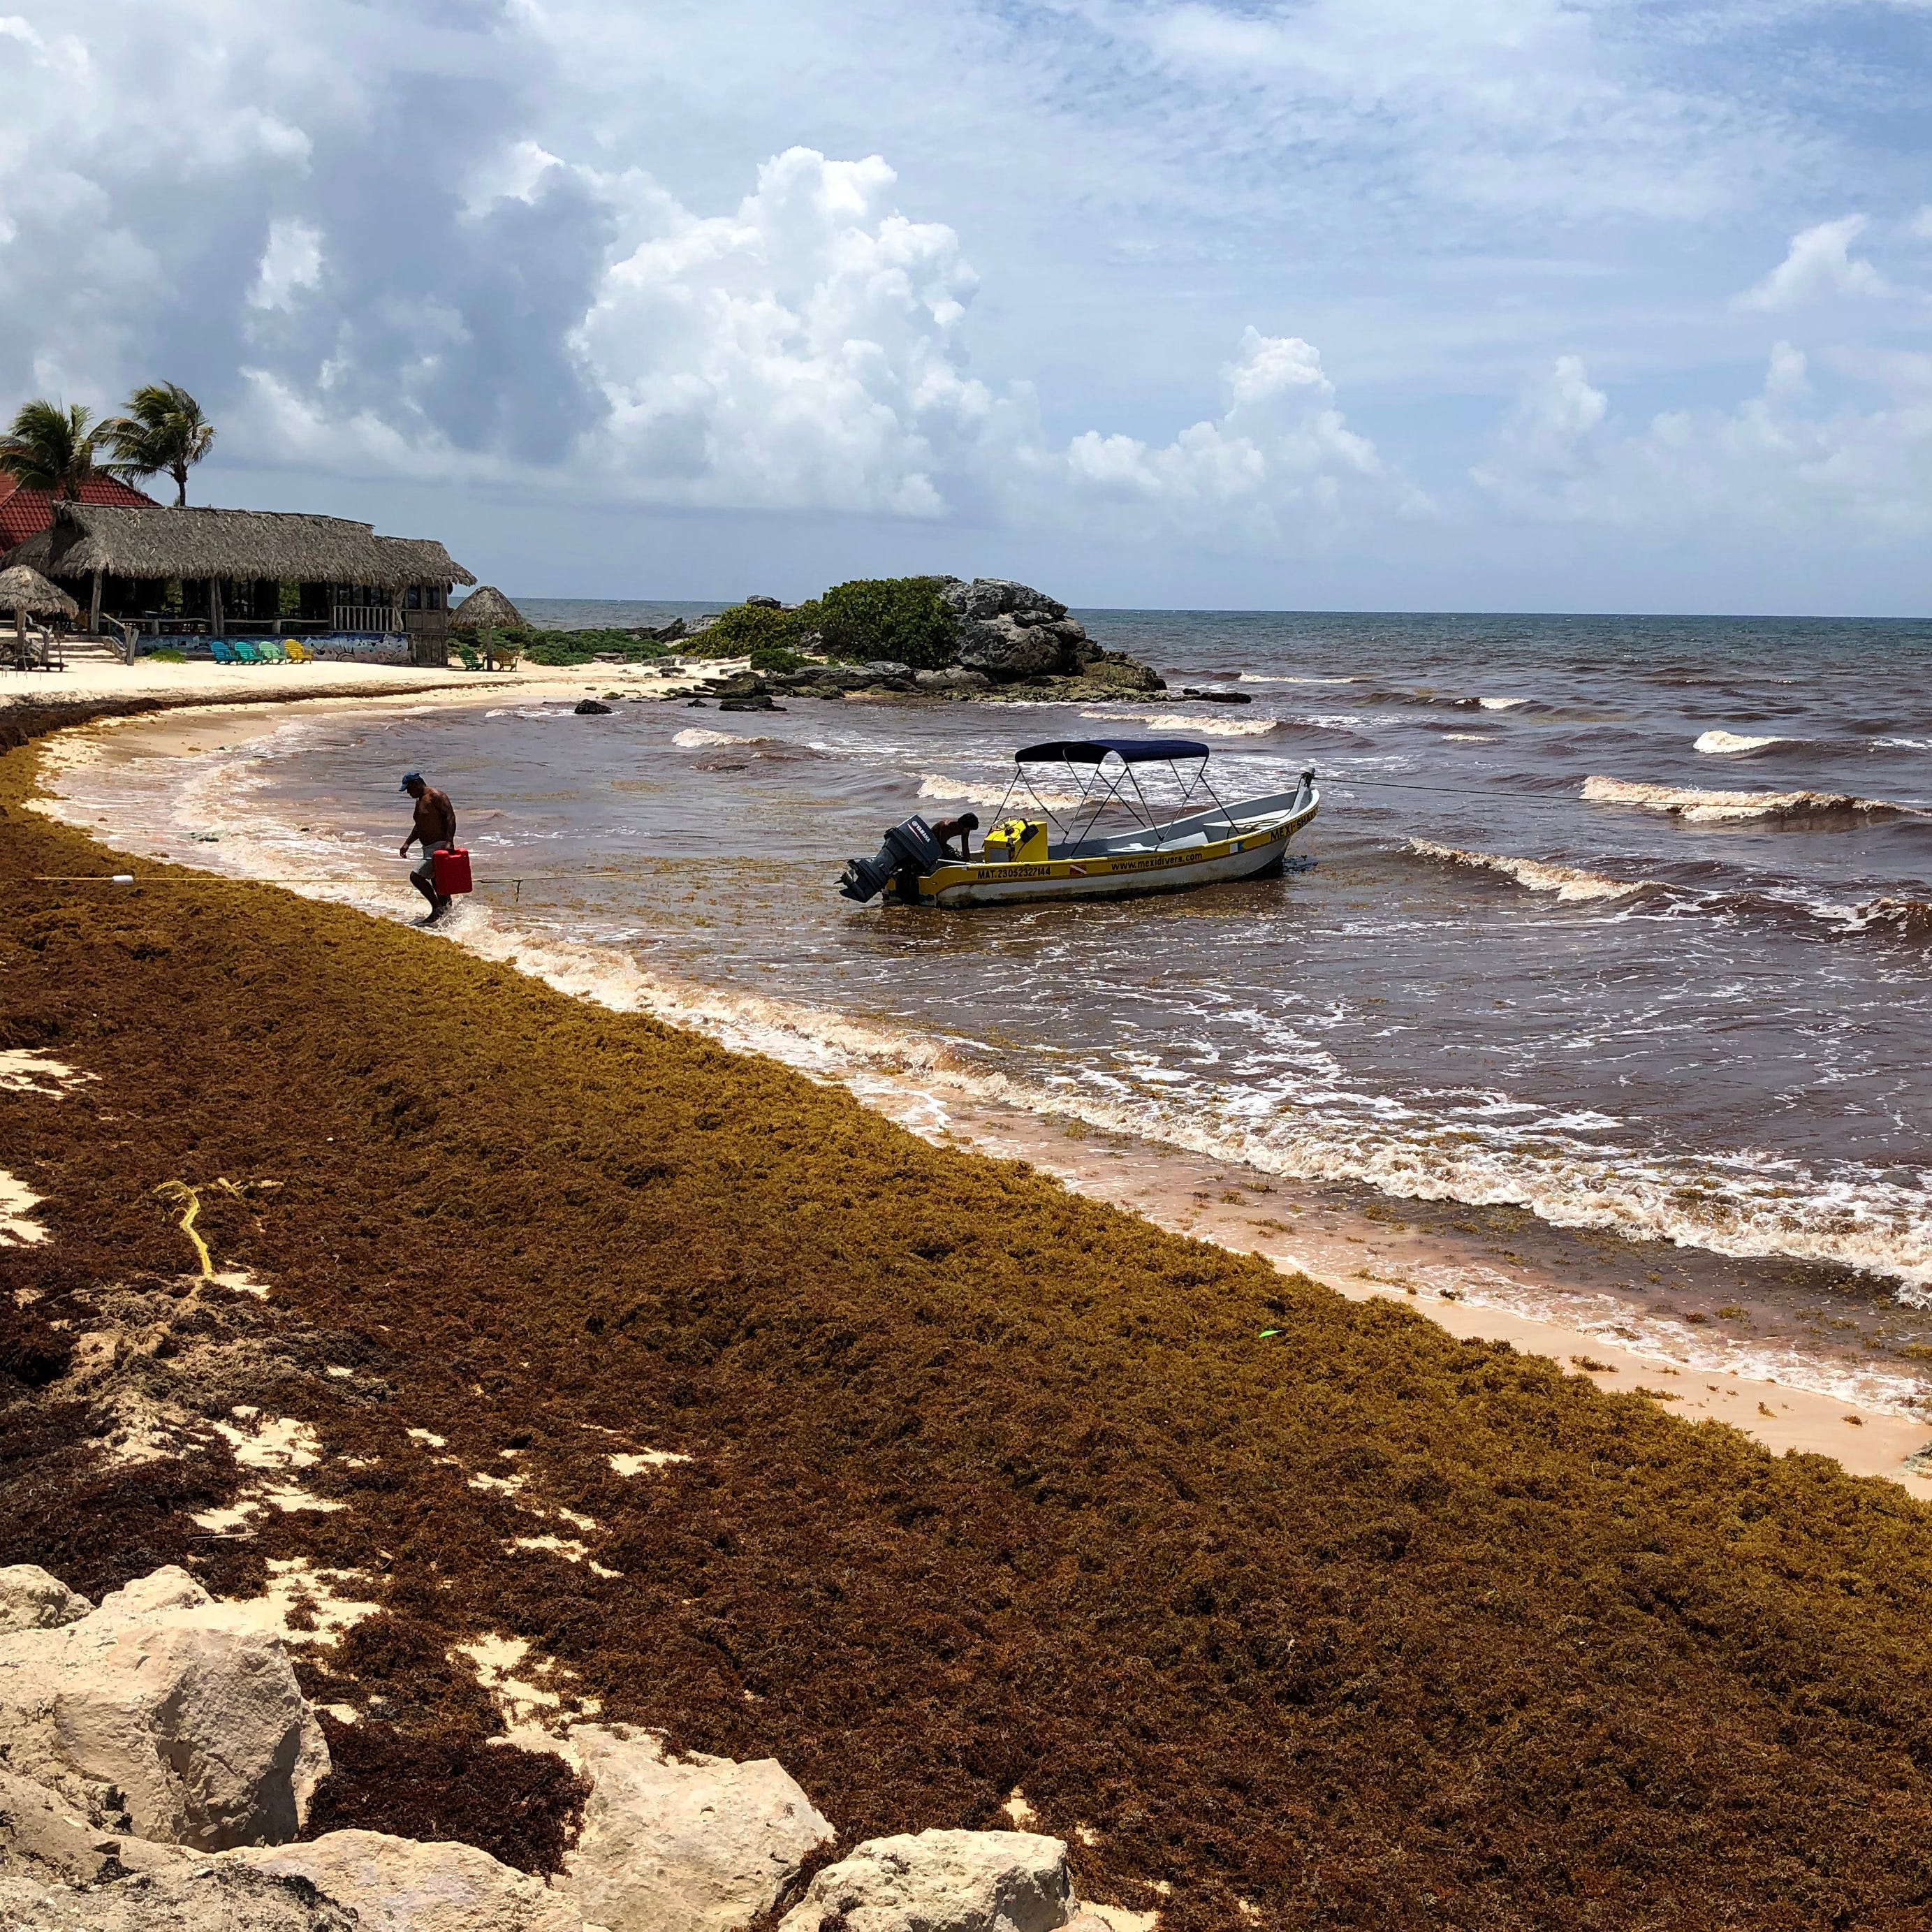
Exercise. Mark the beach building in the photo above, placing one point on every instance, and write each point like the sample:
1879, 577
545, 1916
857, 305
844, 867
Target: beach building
184, 573
25, 513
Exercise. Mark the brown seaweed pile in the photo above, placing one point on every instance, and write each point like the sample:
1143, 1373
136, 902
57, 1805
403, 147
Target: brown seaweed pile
988, 1487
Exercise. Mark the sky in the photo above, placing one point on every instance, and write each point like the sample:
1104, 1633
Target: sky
1378, 304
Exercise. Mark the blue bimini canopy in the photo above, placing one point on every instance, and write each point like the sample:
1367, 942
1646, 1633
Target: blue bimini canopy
1094, 750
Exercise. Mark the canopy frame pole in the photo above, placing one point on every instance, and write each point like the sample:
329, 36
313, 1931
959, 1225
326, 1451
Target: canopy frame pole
93, 607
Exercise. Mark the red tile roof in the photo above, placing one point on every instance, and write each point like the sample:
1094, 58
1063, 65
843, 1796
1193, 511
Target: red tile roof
26, 513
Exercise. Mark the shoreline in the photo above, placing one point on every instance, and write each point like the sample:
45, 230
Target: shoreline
621, 1375
1357, 1255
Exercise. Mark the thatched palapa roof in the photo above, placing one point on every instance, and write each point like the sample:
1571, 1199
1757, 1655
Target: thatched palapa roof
22, 588
289, 547
488, 609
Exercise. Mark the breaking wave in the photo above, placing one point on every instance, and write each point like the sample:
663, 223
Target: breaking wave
1567, 882
695, 738
1501, 704
964, 791
1194, 723
1717, 808
1729, 744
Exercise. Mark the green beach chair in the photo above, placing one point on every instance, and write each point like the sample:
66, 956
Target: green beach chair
244, 652
269, 652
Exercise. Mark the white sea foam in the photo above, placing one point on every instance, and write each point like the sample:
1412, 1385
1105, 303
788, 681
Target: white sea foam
965, 791
1729, 744
1566, 882
1256, 677
696, 738
1501, 704
1193, 723
1717, 808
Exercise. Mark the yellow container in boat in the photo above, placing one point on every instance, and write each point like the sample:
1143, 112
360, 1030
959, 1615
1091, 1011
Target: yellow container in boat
1016, 841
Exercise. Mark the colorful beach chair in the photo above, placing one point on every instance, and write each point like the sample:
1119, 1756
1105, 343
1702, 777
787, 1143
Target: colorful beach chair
223, 651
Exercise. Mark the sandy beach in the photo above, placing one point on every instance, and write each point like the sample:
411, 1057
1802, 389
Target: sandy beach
1359, 1256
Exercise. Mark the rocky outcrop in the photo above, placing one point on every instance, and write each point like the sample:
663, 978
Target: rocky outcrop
400, 1884
30, 1599
941, 1882
700, 1844
183, 1707
956, 680
1009, 630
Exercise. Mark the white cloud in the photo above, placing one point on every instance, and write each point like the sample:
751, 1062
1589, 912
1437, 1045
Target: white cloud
1777, 466
801, 351
1280, 465
1819, 265
1920, 226
291, 262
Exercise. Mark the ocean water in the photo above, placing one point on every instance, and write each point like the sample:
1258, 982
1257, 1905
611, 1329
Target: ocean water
1624, 925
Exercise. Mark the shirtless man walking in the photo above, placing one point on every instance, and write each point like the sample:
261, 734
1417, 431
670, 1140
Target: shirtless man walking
436, 827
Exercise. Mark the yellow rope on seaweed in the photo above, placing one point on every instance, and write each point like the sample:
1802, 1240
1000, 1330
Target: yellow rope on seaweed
178, 1191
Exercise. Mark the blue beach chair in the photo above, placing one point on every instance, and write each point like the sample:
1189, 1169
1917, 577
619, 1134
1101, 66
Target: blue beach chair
223, 651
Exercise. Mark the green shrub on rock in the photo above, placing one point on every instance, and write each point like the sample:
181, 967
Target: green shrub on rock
901, 618
746, 628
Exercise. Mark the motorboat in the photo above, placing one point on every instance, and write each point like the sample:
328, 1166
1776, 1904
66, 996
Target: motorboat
1103, 838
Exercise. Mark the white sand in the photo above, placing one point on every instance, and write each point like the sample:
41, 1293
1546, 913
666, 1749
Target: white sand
257, 684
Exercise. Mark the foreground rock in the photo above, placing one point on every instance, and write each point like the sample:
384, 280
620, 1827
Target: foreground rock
180, 1705
941, 1882
701, 1845
398, 1885
191, 1897
30, 1599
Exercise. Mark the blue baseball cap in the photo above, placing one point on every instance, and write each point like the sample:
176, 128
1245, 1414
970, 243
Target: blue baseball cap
410, 778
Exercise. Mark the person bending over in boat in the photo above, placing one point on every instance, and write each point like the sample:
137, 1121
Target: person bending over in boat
435, 827
962, 828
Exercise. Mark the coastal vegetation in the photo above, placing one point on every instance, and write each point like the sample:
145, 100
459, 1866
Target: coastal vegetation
1296, 1607
895, 619
51, 446
58, 447
565, 648
163, 430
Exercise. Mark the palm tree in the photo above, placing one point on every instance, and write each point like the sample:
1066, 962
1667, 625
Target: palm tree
52, 449
164, 429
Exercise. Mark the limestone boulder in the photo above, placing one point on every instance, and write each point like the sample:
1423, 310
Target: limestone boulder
955, 679
1004, 648
941, 1882
988, 597
702, 1845
30, 1599
398, 1885
185, 1709
191, 1897
52, 1837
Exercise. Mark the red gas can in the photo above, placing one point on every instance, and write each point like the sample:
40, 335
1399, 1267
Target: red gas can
451, 870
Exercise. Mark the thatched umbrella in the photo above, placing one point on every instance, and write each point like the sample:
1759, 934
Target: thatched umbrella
488, 609
23, 588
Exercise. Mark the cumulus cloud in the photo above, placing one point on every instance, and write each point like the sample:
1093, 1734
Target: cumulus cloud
1819, 265
1782, 462
803, 351
1280, 462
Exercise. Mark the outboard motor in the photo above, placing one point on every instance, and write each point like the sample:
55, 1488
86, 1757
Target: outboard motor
909, 852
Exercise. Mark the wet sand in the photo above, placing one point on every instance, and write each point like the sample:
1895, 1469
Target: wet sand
1363, 1245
